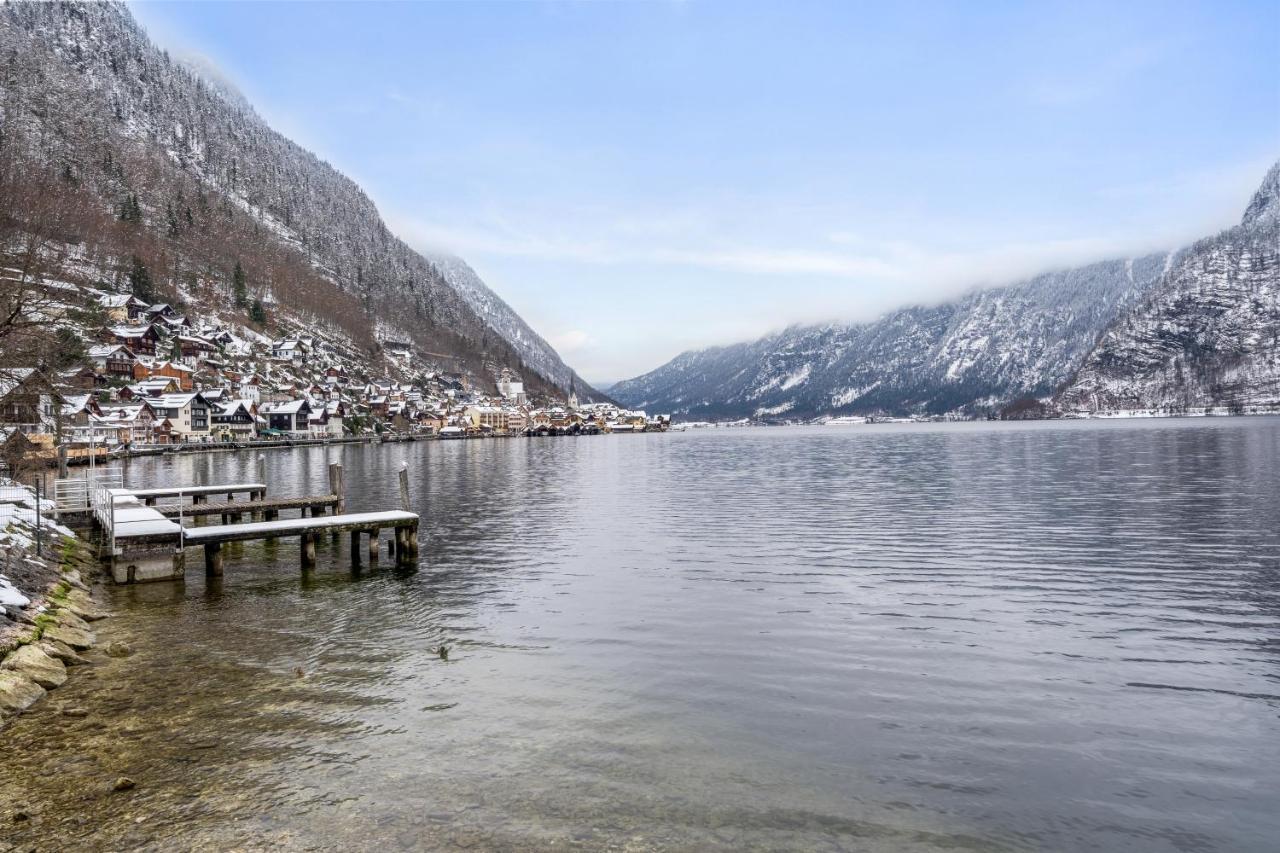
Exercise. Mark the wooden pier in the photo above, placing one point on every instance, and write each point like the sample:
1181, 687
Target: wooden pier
266, 509
405, 525
146, 544
199, 494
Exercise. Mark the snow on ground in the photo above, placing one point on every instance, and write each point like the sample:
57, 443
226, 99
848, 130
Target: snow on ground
18, 531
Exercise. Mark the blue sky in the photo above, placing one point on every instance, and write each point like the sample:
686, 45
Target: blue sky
640, 178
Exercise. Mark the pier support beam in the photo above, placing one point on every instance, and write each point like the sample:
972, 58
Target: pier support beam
355, 547
308, 550
213, 560
373, 546
402, 547
336, 487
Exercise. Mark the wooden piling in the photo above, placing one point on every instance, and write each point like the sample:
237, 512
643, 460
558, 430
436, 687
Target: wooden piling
355, 547
308, 550
373, 546
337, 487
213, 560
404, 487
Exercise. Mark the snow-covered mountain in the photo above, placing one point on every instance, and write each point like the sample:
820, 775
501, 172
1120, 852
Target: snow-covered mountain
975, 352
1190, 328
1208, 335
533, 349
86, 97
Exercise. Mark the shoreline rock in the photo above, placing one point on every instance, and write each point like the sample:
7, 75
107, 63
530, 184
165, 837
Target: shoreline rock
48, 636
31, 661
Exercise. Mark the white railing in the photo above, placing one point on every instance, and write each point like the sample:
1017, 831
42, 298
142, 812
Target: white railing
76, 493
104, 510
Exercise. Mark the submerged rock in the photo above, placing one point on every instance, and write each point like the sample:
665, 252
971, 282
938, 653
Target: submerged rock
117, 649
124, 783
17, 692
32, 662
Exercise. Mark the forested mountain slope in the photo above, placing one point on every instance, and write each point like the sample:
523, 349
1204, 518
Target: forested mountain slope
146, 156
1190, 329
967, 355
1207, 336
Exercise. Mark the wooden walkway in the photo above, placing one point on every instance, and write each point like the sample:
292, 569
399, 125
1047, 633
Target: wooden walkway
199, 494
147, 545
267, 509
405, 525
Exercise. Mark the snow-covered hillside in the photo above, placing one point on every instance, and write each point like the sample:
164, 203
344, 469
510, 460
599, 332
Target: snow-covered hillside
1207, 336
969, 354
87, 96
1196, 327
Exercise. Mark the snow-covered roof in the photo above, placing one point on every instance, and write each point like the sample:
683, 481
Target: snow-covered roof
289, 407
108, 350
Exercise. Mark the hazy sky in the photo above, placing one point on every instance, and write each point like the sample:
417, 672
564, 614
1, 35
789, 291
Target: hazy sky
640, 178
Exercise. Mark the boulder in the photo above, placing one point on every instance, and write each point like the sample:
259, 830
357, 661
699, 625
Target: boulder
117, 649
67, 619
73, 637
62, 652
32, 662
17, 692
83, 606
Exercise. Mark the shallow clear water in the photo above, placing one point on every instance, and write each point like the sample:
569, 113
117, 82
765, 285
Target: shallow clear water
1052, 636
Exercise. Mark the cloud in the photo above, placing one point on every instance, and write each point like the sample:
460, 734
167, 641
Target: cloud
918, 269
570, 341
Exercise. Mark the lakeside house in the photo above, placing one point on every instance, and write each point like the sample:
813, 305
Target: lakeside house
158, 374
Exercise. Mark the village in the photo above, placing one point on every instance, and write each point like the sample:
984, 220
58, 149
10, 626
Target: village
152, 380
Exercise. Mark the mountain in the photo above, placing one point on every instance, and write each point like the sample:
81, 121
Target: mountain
1208, 335
966, 355
1192, 328
499, 316
163, 160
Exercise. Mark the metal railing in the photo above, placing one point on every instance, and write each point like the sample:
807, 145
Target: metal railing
76, 493
104, 510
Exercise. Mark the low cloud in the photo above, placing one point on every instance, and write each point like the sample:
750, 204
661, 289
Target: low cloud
570, 341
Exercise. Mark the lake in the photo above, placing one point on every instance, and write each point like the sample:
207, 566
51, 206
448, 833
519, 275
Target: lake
1042, 636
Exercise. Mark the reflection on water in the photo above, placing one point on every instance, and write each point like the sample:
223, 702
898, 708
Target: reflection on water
1045, 636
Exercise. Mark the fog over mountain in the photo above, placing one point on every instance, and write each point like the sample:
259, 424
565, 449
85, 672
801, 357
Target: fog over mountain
1195, 327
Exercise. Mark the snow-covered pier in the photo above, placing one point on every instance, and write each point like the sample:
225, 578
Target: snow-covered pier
199, 494
145, 543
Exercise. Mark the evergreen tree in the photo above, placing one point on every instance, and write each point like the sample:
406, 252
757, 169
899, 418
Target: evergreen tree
140, 281
130, 209
257, 313
239, 287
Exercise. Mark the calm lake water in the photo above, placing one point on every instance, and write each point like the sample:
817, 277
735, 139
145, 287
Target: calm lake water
1052, 636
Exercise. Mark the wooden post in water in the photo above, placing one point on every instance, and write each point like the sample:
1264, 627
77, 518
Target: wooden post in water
308, 550
373, 546
337, 487
402, 547
355, 547
213, 560
404, 487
